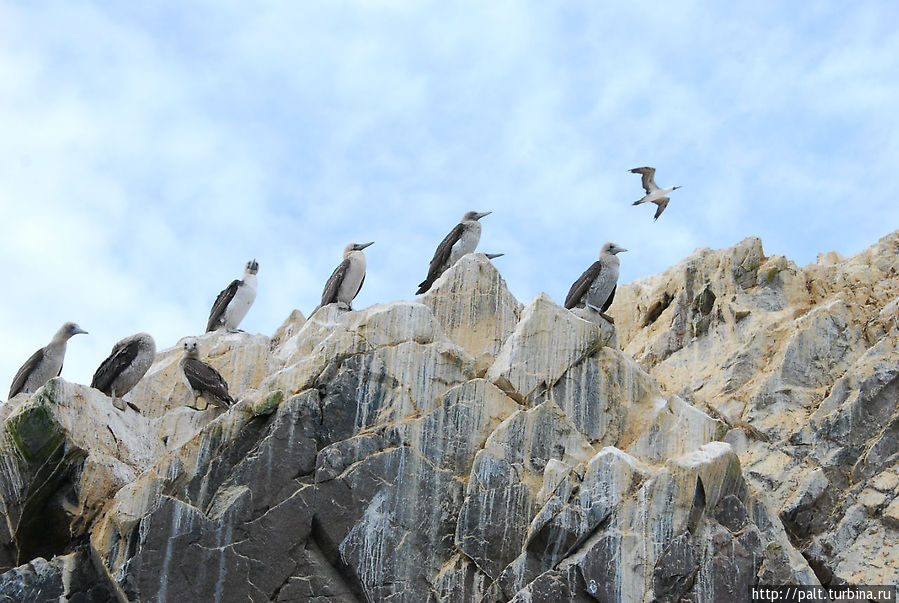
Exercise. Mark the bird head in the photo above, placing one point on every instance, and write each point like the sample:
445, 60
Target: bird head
473, 215
70, 329
355, 247
190, 347
612, 248
252, 266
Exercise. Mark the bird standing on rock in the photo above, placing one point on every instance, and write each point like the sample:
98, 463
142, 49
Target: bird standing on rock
462, 239
203, 380
654, 194
233, 303
596, 286
45, 363
346, 281
129, 360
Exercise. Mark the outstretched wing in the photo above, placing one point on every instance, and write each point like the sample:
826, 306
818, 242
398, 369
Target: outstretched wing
582, 285
329, 295
221, 303
18, 382
648, 173
205, 379
662, 203
123, 354
441, 257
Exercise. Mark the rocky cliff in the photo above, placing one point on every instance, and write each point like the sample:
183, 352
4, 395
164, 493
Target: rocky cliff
464, 447
802, 364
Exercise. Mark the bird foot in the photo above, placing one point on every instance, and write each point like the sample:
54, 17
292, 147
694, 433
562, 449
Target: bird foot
120, 404
134, 407
235, 330
607, 317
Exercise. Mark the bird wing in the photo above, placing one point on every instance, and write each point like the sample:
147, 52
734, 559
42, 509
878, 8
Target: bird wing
329, 295
221, 303
608, 303
582, 285
18, 382
649, 183
662, 203
441, 257
205, 379
362, 282
121, 357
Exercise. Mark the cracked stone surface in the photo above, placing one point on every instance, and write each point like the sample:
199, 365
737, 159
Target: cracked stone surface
802, 366
465, 447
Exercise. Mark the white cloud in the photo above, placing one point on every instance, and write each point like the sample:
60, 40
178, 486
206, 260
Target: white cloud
150, 150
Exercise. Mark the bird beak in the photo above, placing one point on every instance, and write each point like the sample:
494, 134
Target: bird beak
481, 215
490, 256
361, 246
78, 330
620, 249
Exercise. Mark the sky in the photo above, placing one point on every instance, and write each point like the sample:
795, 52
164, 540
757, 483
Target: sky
148, 150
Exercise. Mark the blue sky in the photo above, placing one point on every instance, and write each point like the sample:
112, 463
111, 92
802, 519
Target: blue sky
148, 150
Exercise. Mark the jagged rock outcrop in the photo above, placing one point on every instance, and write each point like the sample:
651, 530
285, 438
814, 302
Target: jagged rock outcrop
802, 364
458, 448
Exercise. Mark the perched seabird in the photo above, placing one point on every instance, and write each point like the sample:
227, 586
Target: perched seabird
129, 360
234, 301
203, 380
347, 278
654, 194
462, 239
596, 287
45, 363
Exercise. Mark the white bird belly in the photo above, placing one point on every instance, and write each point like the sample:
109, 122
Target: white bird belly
239, 306
352, 280
466, 244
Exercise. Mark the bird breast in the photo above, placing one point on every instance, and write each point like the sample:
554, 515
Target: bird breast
352, 280
128, 378
467, 243
240, 305
603, 284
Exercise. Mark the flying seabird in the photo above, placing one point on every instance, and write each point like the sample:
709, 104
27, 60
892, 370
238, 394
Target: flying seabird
490, 256
596, 287
203, 380
347, 278
654, 194
233, 303
45, 363
462, 239
129, 360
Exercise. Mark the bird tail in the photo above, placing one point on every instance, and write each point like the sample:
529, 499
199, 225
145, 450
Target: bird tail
638, 202
423, 286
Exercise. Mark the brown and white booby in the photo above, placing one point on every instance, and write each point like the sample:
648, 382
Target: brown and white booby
233, 303
654, 194
45, 363
596, 286
129, 360
346, 280
461, 240
203, 380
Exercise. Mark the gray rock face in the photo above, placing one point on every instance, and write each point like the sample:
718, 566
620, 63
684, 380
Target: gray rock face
466, 448
802, 364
